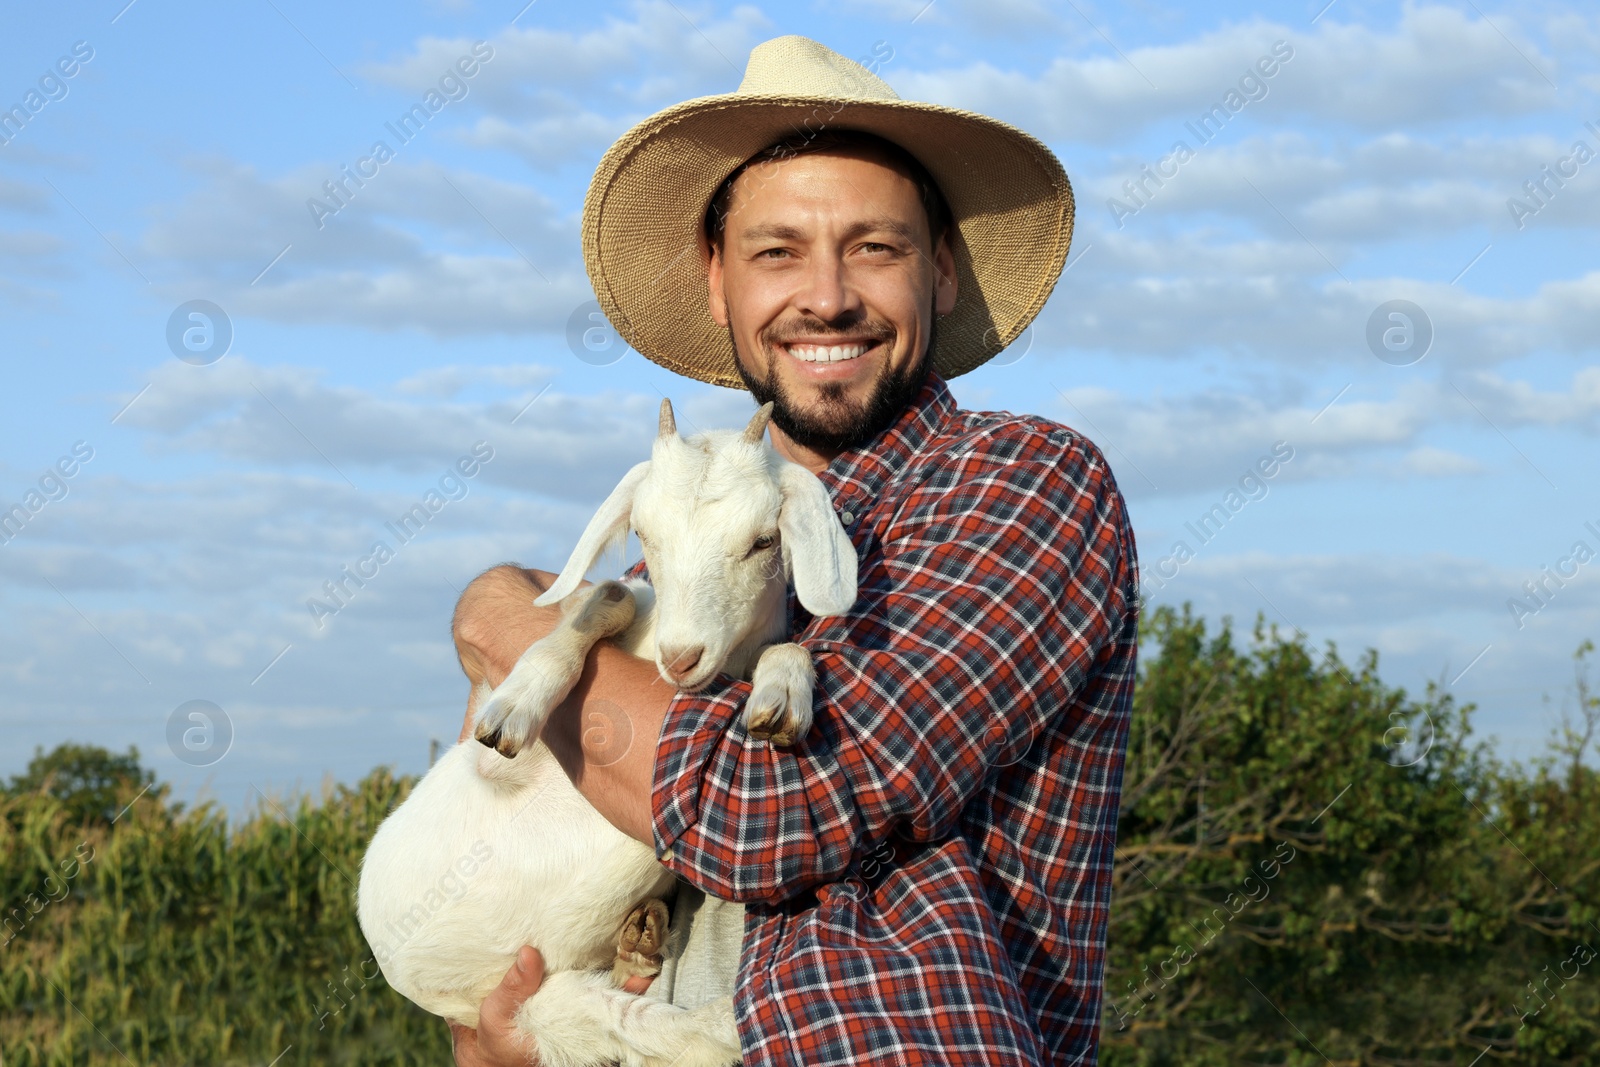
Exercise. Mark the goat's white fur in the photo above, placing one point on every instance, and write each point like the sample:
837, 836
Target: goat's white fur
558, 875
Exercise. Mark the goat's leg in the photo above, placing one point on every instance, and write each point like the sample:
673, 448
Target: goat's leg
515, 713
578, 1019
779, 708
639, 942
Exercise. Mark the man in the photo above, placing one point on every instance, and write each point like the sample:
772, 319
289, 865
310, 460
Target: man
925, 877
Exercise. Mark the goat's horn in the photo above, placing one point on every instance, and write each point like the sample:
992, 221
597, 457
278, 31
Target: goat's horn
758, 423
669, 426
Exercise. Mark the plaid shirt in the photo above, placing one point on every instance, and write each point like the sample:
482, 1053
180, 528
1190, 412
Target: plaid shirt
927, 874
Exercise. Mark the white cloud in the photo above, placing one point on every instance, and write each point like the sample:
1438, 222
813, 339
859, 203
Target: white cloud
556, 98
1153, 441
1277, 301
664, 53
987, 18
1429, 462
32, 245
565, 445
1431, 616
26, 197
551, 142
443, 383
1437, 64
1520, 403
1390, 187
418, 246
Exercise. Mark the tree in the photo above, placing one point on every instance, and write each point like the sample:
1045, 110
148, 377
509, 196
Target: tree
92, 783
1314, 868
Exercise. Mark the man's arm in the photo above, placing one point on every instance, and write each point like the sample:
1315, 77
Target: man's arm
992, 603
604, 734
495, 622
1000, 589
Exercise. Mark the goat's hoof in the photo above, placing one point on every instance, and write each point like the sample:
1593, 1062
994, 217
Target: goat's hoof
645, 929
505, 744
772, 725
639, 943
779, 708
775, 716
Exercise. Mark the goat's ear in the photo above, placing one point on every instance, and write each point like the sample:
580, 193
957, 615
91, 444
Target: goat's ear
608, 527
820, 553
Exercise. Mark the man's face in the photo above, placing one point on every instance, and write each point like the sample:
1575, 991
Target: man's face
828, 284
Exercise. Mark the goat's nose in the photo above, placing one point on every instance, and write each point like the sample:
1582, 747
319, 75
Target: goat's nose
680, 660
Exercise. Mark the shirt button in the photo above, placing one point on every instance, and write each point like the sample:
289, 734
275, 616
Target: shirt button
666, 855
847, 517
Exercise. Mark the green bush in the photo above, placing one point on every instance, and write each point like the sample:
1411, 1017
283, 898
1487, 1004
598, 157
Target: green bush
1313, 869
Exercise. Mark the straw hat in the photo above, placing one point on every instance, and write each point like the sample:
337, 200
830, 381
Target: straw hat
644, 246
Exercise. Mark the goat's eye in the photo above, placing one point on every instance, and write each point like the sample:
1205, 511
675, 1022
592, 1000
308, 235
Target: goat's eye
761, 544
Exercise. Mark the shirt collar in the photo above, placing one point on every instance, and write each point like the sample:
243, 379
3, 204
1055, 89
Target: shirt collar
859, 474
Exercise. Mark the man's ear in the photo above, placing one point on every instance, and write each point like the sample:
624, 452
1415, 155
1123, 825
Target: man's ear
944, 276
714, 294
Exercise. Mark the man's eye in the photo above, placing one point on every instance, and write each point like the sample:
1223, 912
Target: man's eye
772, 253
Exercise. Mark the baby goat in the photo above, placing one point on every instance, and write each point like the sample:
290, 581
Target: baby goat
495, 848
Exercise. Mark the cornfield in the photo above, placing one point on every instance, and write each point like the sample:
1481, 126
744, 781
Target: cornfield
169, 937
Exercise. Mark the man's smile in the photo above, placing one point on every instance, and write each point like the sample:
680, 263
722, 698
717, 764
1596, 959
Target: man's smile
833, 359
828, 352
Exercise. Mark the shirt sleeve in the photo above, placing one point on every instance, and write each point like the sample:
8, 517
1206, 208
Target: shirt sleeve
997, 584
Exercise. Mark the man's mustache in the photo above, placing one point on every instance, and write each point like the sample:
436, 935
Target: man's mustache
871, 329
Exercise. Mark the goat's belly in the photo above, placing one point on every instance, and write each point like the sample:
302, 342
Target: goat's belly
472, 867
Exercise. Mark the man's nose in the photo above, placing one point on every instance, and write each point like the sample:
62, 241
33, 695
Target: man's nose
827, 292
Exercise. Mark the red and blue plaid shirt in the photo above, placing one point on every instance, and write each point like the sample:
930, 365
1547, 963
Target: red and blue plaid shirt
927, 874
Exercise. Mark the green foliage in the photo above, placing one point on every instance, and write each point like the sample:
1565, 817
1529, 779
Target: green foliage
1311, 869
1314, 869
171, 938
87, 779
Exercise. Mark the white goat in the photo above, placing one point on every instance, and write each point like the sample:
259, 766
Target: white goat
495, 848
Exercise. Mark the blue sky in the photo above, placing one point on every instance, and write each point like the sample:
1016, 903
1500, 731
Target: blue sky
1220, 314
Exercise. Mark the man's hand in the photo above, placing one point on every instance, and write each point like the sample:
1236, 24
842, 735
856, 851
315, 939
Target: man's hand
496, 621
497, 1042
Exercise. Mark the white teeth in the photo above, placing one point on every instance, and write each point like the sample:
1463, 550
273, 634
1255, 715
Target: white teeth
827, 353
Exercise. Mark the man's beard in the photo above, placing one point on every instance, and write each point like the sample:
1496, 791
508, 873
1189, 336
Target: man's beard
837, 422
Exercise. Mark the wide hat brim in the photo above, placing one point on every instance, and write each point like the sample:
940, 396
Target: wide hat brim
643, 239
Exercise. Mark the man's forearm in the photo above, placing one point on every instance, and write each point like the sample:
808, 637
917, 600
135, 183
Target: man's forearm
604, 734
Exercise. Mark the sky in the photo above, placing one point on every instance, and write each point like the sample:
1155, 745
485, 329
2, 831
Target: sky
1354, 244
